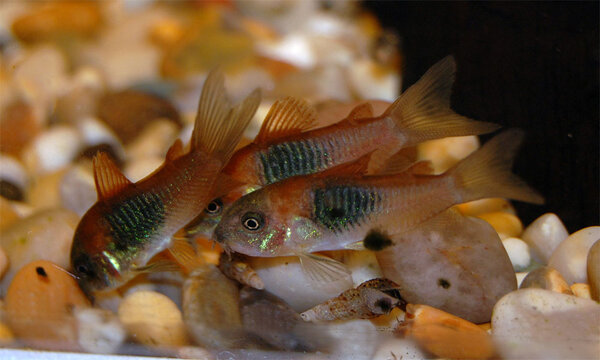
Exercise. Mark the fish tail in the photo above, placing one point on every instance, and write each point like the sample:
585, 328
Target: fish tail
219, 126
423, 111
487, 172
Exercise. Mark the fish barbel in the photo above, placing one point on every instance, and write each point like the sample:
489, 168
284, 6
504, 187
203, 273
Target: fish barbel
307, 214
285, 146
131, 222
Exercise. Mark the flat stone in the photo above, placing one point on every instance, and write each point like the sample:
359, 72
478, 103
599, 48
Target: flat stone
570, 257
542, 324
457, 265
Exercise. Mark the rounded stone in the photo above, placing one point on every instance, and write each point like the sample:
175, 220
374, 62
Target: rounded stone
570, 257
593, 270
546, 278
543, 236
518, 252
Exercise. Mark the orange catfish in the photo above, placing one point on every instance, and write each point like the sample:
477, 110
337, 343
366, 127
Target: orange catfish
132, 222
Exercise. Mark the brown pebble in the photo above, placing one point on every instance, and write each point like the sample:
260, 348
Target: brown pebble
446, 335
8, 215
19, 126
128, 112
58, 20
39, 306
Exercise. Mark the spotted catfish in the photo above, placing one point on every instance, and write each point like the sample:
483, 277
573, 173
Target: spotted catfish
285, 147
132, 222
307, 214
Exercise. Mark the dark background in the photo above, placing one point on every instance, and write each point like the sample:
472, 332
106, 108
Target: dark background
527, 65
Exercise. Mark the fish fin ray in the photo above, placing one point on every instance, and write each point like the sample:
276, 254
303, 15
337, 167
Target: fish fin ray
184, 254
107, 176
158, 265
218, 126
487, 172
359, 245
361, 111
322, 269
287, 116
423, 111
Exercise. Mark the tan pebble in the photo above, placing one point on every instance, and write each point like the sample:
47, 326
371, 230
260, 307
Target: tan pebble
389, 321
166, 32
477, 207
52, 150
446, 335
3, 262
546, 278
8, 214
44, 191
152, 318
581, 290
543, 235
444, 153
505, 224
19, 126
39, 306
45, 235
99, 330
570, 256
54, 21
6, 335
593, 270
13, 178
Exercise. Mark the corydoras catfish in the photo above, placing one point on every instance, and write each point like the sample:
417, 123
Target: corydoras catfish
307, 214
285, 146
131, 222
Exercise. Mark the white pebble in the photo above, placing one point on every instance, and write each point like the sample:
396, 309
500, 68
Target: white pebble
12, 170
395, 349
99, 330
77, 189
53, 149
570, 257
543, 236
445, 153
520, 277
152, 318
154, 141
354, 339
369, 83
543, 324
518, 252
95, 132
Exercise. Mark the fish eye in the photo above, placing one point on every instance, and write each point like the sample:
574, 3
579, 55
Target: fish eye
214, 207
82, 269
253, 221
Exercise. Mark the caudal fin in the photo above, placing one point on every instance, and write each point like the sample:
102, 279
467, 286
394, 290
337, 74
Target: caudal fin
487, 172
423, 111
219, 126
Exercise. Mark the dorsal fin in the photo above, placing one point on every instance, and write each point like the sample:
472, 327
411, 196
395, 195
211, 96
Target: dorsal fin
356, 167
109, 179
175, 151
361, 111
286, 117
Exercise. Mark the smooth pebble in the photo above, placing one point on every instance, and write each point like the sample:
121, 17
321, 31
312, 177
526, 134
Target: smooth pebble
506, 225
546, 278
581, 290
152, 319
154, 140
78, 189
477, 207
8, 214
19, 125
570, 256
13, 172
518, 252
543, 324
353, 339
446, 335
99, 331
442, 264
46, 235
593, 270
445, 153
53, 149
38, 321
43, 192
543, 236
140, 168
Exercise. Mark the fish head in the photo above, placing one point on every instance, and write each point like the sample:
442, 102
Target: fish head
253, 227
92, 263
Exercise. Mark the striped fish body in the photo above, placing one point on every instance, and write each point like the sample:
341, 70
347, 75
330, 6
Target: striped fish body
306, 214
310, 152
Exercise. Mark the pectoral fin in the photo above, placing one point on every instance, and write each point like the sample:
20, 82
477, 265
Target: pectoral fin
322, 269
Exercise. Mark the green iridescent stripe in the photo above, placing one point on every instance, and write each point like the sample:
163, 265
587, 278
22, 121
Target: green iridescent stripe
343, 207
134, 221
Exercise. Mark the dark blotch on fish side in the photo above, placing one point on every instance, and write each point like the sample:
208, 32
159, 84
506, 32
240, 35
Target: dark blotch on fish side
377, 240
10, 191
40, 271
385, 305
444, 283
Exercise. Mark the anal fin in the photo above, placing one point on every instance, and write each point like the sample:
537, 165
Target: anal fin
322, 269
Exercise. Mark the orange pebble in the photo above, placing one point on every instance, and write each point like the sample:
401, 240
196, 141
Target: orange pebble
446, 335
39, 306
